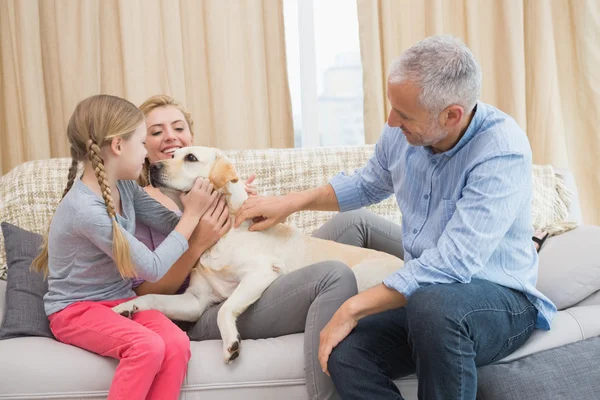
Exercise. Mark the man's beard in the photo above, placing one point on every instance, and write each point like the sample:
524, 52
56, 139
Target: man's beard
434, 134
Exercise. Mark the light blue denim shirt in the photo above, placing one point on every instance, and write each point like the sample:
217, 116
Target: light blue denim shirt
466, 213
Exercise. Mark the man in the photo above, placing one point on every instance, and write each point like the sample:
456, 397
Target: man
461, 173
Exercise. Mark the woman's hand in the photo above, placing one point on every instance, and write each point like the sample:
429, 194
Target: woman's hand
212, 226
199, 199
250, 187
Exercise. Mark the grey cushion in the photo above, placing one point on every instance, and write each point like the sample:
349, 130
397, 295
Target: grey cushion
569, 268
567, 372
24, 313
591, 300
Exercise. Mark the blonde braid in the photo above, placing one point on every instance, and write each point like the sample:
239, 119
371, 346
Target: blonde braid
121, 250
71, 176
98, 167
40, 263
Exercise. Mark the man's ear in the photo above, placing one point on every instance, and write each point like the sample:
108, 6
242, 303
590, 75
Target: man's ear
115, 145
222, 172
451, 116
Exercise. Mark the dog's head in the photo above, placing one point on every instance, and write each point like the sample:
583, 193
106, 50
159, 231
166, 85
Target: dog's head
178, 174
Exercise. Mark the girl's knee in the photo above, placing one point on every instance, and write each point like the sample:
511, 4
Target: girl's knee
178, 343
150, 348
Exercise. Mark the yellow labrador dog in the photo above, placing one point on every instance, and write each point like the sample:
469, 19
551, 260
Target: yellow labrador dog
242, 264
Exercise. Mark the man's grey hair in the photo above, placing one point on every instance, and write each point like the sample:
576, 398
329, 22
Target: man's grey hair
445, 70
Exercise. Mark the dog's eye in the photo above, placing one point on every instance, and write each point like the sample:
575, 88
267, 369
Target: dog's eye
191, 157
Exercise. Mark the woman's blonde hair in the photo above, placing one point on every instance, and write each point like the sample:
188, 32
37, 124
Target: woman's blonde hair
94, 123
154, 102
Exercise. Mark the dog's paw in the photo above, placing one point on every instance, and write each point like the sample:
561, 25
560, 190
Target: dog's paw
232, 351
126, 309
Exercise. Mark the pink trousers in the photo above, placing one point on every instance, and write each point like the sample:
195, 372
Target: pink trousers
152, 350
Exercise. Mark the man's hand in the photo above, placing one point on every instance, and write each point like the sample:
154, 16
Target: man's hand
265, 211
374, 300
340, 326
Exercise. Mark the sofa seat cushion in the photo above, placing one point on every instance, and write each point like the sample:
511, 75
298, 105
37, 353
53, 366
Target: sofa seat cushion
43, 368
568, 326
566, 372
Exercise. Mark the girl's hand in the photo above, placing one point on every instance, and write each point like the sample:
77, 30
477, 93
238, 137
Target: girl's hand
212, 226
199, 199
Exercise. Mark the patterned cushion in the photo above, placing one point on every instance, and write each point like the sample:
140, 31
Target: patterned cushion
30, 192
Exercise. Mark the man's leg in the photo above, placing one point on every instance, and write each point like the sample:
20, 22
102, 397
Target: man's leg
443, 334
455, 328
363, 365
362, 228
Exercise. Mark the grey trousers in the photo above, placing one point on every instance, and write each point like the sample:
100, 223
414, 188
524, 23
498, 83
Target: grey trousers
306, 299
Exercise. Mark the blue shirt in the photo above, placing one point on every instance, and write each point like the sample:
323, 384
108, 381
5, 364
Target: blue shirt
466, 213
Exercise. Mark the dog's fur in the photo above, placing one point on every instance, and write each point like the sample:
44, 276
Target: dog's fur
242, 264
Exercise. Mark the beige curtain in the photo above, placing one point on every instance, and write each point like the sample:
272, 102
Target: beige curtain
540, 62
225, 60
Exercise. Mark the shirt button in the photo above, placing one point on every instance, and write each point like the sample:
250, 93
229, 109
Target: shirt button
433, 161
426, 196
415, 231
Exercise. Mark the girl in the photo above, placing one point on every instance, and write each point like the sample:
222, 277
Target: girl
90, 253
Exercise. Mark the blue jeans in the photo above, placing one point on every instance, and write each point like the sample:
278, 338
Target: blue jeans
443, 334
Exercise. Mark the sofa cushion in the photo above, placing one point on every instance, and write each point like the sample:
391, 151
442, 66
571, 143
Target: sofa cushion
568, 326
593, 299
566, 372
2, 298
268, 368
569, 269
24, 306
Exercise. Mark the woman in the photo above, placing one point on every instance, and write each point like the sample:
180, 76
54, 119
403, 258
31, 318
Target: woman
301, 301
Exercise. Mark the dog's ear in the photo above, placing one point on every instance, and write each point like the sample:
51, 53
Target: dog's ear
222, 172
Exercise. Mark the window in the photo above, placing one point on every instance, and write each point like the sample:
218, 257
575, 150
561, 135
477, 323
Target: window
325, 72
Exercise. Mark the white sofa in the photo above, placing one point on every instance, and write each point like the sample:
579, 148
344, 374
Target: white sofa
42, 368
